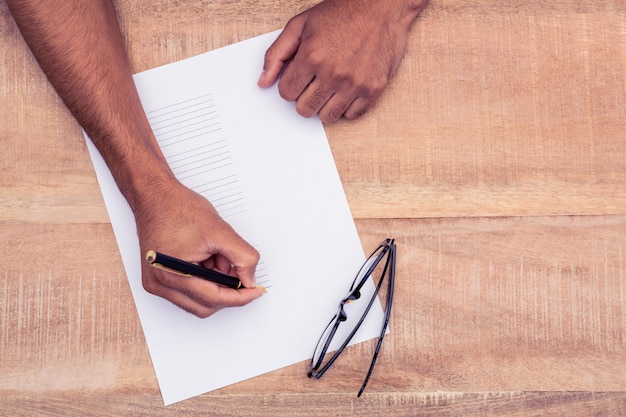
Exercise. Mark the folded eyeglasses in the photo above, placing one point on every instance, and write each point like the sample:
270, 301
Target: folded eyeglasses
383, 260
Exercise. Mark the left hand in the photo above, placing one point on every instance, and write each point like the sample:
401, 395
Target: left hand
337, 57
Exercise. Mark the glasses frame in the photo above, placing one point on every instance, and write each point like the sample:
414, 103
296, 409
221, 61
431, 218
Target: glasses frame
386, 249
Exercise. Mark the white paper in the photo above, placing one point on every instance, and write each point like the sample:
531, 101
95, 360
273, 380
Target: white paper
271, 175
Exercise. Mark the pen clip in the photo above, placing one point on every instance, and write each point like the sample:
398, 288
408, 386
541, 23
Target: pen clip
170, 270
151, 257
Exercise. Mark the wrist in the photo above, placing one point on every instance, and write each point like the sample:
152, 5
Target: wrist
140, 171
410, 10
143, 186
403, 12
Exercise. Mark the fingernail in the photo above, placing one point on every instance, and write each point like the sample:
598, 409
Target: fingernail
261, 78
262, 288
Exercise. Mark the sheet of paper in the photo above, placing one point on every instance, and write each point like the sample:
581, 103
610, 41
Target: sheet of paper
271, 175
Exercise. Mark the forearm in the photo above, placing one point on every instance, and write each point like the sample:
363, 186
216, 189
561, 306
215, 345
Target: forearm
79, 46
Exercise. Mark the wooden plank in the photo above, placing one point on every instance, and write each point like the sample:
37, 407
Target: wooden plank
484, 404
512, 304
498, 109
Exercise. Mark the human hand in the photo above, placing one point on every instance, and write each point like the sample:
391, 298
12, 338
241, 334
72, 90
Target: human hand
337, 57
185, 225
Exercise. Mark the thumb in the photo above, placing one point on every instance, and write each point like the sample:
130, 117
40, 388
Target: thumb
281, 51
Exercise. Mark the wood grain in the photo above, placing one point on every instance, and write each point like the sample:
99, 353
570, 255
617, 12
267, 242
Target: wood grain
482, 305
499, 113
496, 158
531, 404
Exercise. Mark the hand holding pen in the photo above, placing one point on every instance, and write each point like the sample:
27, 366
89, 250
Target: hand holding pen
190, 270
177, 221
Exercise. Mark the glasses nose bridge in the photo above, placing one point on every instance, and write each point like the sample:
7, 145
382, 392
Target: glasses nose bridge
341, 314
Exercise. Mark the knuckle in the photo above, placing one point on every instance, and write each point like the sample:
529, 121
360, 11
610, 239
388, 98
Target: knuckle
253, 256
309, 105
203, 314
355, 115
315, 57
151, 286
200, 312
316, 100
379, 85
373, 87
286, 89
304, 108
357, 110
331, 115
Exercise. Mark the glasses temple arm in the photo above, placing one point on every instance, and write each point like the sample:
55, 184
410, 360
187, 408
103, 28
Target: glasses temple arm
392, 271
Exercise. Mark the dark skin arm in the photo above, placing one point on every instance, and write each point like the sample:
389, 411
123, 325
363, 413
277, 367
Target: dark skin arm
79, 46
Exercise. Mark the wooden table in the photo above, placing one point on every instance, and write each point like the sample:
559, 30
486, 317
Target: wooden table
496, 158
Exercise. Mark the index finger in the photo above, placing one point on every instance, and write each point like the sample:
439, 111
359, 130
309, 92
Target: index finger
199, 296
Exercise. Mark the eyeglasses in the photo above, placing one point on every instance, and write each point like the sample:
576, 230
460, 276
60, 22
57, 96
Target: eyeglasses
383, 257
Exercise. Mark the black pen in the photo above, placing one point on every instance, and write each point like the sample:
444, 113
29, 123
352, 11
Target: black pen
179, 267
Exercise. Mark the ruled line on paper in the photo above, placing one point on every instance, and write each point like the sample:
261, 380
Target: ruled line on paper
191, 138
194, 118
262, 275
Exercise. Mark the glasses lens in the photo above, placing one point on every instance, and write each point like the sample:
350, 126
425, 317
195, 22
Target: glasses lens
365, 272
323, 344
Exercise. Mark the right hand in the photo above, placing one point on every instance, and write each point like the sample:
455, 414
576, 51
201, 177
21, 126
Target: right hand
183, 224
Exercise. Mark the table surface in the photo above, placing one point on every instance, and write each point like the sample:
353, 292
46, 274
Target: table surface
496, 158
